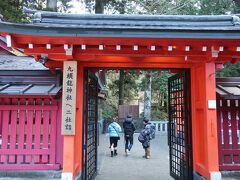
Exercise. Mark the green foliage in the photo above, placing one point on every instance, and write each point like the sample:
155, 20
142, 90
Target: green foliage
130, 91
116, 6
230, 70
159, 98
34, 4
216, 7
109, 111
130, 86
110, 106
12, 11
109, 6
174, 7
159, 95
236, 6
159, 115
166, 7
187, 7
160, 82
64, 5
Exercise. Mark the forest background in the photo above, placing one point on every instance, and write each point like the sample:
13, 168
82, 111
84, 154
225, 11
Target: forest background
124, 86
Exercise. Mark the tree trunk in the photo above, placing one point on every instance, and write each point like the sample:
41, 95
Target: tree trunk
52, 4
121, 87
99, 6
147, 97
121, 77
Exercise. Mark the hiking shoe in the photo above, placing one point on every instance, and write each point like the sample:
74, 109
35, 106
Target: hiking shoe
147, 157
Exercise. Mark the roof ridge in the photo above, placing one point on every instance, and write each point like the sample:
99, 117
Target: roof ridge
67, 18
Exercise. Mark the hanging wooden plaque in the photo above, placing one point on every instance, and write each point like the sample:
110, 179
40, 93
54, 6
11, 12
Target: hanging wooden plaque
69, 97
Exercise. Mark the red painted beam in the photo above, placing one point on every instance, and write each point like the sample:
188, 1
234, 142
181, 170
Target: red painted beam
42, 49
143, 51
25, 39
136, 65
92, 52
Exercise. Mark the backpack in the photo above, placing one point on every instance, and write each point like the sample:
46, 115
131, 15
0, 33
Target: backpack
144, 133
152, 131
141, 137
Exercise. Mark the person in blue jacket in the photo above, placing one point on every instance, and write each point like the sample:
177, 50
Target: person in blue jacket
114, 129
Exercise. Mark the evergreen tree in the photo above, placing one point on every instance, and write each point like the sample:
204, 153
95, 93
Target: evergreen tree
11, 10
230, 70
216, 7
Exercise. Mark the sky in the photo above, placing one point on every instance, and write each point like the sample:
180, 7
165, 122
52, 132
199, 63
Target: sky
78, 7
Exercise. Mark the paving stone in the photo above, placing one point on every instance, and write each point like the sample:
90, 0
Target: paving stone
134, 167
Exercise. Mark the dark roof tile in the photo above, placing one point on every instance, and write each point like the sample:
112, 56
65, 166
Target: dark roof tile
138, 21
228, 88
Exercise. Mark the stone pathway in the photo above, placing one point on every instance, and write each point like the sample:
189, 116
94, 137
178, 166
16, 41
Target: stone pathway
134, 167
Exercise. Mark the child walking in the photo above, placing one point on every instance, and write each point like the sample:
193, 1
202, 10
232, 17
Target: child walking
114, 129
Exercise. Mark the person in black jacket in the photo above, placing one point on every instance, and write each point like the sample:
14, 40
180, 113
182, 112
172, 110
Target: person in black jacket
129, 129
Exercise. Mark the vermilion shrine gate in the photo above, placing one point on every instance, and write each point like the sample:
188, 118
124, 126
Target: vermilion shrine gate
194, 45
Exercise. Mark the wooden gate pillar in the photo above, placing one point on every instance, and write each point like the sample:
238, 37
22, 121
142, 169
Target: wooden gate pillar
72, 150
204, 121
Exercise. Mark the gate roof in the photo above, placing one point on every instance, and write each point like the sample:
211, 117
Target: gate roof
92, 38
98, 25
12, 62
40, 82
228, 88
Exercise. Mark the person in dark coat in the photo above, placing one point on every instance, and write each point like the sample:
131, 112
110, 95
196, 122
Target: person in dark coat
129, 129
147, 134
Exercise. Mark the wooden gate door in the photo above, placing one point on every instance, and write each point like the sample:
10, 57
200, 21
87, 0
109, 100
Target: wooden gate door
90, 127
180, 145
29, 134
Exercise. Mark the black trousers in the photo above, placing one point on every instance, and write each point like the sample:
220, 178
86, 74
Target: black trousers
114, 141
128, 142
